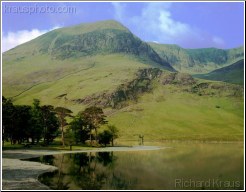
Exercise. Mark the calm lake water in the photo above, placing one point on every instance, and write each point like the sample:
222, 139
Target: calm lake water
182, 166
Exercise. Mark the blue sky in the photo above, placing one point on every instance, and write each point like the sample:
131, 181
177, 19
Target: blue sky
188, 24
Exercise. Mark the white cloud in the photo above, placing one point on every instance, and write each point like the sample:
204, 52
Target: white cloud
119, 10
156, 42
156, 23
157, 20
170, 27
218, 41
12, 39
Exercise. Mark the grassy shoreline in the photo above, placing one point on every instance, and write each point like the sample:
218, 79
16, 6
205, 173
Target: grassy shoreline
119, 143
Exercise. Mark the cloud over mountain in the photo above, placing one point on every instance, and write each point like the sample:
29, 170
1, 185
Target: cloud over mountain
156, 21
12, 39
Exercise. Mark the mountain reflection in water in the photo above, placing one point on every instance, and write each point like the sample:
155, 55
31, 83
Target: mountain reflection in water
147, 170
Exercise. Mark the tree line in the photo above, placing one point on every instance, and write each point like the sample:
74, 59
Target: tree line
43, 123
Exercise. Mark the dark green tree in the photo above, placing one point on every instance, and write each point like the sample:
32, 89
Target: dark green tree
8, 110
22, 125
80, 129
94, 118
114, 131
36, 122
62, 113
105, 137
69, 137
21, 122
50, 122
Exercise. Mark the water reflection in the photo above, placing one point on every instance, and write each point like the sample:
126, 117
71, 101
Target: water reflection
92, 171
148, 170
47, 159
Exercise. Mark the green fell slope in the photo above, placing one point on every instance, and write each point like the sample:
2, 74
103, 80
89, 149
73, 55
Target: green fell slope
232, 74
104, 64
106, 37
63, 52
94, 75
179, 107
197, 60
168, 114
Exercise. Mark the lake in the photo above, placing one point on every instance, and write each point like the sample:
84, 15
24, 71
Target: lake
180, 166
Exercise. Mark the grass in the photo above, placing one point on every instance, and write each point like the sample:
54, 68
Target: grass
170, 115
232, 74
55, 145
93, 75
197, 61
89, 27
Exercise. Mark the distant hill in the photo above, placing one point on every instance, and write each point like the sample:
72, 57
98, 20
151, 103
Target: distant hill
232, 74
197, 60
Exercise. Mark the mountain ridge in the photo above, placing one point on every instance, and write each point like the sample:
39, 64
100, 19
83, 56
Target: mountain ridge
233, 73
64, 51
200, 60
104, 37
110, 36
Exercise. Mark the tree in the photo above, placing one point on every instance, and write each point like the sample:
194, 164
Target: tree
50, 122
93, 117
69, 137
62, 113
36, 121
8, 111
21, 122
105, 137
22, 125
114, 131
80, 129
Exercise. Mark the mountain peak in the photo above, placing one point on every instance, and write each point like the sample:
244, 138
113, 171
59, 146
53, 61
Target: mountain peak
99, 25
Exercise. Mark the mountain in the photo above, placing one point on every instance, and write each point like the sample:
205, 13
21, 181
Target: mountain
104, 37
104, 64
65, 51
232, 74
197, 60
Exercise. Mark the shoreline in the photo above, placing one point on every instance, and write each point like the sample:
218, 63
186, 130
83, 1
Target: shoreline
18, 174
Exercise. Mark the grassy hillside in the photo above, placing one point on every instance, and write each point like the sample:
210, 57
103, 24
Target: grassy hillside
92, 75
168, 114
104, 64
103, 38
232, 74
197, 60
173, 109
66, 51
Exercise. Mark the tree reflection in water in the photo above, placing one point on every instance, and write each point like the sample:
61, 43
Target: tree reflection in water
91, 171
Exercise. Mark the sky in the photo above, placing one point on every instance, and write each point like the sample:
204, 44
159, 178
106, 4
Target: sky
187, 24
